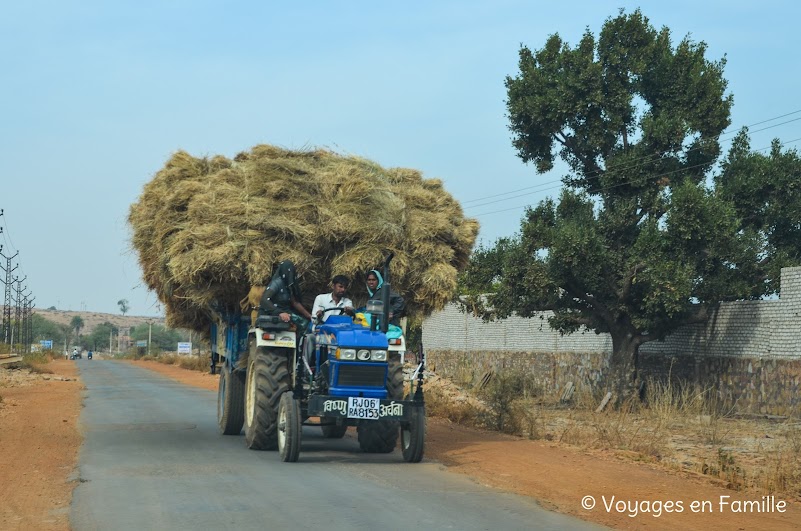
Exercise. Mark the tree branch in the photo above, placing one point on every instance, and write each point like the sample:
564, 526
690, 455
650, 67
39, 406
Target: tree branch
623, 294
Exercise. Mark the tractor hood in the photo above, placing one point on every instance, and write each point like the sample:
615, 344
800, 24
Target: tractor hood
343, 332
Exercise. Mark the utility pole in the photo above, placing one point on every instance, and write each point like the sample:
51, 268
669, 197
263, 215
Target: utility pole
27, 324
149, 335
17, 309
6, 331
23, 333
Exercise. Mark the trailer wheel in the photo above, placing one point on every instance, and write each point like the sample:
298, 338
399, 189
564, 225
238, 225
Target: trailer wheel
267, 379
413, 435
381, 436
289, 428
230, 401
332, 431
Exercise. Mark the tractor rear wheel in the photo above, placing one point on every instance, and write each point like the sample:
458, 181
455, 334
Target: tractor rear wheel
230, 401
289, 428
381, 436
332, 431
267, 379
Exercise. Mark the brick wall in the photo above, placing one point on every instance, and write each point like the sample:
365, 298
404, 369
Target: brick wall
749, 351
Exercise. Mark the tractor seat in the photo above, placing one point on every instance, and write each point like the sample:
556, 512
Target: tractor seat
272, 322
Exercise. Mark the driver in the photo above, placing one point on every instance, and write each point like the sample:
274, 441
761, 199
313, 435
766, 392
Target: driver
335, 299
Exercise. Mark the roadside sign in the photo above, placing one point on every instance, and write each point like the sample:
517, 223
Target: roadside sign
141, 343
46, 343
185, 348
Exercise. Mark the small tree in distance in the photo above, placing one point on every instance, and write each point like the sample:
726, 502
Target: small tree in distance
76, 324
124, 307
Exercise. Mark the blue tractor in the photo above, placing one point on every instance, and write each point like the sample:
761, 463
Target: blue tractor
274, 380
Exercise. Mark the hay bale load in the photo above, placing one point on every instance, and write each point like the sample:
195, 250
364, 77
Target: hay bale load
207, 229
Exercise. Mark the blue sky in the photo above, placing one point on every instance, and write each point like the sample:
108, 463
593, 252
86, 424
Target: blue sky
97, 95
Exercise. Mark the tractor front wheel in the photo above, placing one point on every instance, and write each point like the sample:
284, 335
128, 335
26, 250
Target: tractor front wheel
289, 428
267, 380
413, 436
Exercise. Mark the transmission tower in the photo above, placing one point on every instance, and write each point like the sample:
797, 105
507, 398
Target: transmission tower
6, 331
15, 333
29, 335
25, 334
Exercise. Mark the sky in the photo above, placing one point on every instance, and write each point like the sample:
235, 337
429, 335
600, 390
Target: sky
97, 95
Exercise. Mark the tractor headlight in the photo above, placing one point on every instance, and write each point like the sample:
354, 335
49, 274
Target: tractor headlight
379, 355
346, 354
363, 355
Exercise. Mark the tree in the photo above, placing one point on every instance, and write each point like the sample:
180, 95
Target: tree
161, 337
637, 246
124, 307
43, 328
76, 324
100, 335
766, 193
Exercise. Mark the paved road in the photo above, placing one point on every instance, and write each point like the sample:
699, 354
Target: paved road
152, 459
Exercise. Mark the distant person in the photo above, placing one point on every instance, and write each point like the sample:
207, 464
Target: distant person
66, 354
375, 285
335, 299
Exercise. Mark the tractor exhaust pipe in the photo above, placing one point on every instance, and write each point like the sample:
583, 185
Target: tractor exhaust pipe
385, 294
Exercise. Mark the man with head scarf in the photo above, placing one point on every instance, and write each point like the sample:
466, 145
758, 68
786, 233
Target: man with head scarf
282, 295
375, 285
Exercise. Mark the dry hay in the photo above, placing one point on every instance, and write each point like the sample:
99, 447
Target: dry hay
207, 229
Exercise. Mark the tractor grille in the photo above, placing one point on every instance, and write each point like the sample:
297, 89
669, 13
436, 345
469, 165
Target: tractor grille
362, 375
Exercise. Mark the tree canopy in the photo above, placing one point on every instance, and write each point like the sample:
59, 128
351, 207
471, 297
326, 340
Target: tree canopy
638, 244
77, 324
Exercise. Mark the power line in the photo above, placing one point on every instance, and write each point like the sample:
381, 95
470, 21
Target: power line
620, 184
633, 164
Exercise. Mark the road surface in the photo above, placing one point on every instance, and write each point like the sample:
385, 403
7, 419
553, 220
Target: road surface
152, 459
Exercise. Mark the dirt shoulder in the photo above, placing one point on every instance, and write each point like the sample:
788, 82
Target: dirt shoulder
39, 441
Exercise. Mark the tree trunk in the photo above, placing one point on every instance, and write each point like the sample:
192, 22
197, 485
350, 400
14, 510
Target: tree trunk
624, 376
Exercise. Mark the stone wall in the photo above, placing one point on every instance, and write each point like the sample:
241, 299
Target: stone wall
749, 352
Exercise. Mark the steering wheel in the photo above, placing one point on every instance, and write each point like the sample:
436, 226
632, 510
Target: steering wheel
318, 320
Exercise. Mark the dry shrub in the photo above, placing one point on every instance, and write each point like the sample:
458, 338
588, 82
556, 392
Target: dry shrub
35, 362
507, 395
195, 363
207, 229
459, 410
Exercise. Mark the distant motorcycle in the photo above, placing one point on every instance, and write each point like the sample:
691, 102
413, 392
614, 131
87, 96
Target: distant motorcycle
89, 355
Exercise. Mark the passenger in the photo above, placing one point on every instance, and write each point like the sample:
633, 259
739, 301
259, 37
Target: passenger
335, 299
375, 285
283, 295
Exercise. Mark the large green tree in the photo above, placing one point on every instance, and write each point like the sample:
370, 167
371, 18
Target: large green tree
637, 245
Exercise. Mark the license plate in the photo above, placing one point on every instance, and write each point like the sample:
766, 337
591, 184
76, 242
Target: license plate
363, 408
